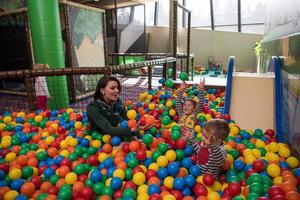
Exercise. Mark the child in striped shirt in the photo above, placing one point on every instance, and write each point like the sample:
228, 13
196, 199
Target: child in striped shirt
210, 153
188, 108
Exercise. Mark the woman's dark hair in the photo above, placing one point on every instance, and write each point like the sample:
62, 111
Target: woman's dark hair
102, 84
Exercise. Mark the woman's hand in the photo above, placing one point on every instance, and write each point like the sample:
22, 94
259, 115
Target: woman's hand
201, 83
188, 133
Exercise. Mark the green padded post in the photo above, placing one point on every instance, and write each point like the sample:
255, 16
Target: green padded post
47, 43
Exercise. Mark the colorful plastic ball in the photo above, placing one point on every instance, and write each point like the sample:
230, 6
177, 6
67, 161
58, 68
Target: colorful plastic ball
165, 120
115, 141
147, 139
15, 174
139, 178
71, 178
171, 155
213, 196
187, 162
162, 172
258, 165
169, 182
10, 195
179, 183
238, 165
131, 114
169, 83
153, 189
195, 170
116, 183
293, 162
95, 176
173, 168
190, 181
28, 189
169, 197
273, 170
16, 184
183, 76
208, 179
129, 192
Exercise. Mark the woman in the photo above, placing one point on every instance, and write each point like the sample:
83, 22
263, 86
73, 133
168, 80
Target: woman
107, 109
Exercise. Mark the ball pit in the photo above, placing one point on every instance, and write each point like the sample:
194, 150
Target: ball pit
52, 155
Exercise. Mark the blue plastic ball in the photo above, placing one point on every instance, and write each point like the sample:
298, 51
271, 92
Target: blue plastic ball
17, 184
124, 124
187, 162
108, 162
95, 176
238, 165
115, 141
190, 181
162, 173
195, 170
116, 183
173, 168
153, 189
179, 183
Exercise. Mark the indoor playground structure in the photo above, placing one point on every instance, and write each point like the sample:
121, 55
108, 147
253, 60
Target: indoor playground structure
49, 154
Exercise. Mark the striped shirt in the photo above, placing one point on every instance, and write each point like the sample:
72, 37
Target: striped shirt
188, 120
211, 159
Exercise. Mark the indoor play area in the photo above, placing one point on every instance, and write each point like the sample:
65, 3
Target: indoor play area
53, 152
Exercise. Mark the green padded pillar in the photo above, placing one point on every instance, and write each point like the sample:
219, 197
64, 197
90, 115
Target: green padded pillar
47, 43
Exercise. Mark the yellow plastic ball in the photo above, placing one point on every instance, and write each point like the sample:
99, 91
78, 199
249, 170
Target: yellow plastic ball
21, 114
7, 119
139, 178
197, 128
272, 156
102, 157
284, 152
213, 196
277, 180
119, 173
70, 178
65, 153
5, 144
151, 106
96, 144
247, 152
162, 161
142, 189
259, 143
106, 138
2, 126
78, 125
216, 186
153, 166
169, 197
169, 104
131, 114
10, 156
256, 153
273, 170
171, 155
169, 182
107, 182
143, 196
15, 174
10, 195
49, 140
63, 144
38, 118
73, 142
250, 159
235, 130
208, 117
293, 162
70, 110
172, 112
144, 168
199, 179
274, 147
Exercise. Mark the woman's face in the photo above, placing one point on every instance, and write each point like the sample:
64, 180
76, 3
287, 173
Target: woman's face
110, 92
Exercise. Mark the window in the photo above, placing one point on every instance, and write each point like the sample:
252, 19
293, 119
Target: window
138, 17
253, 16
123, 15
163, 13
150, 13
225, 13
200, 12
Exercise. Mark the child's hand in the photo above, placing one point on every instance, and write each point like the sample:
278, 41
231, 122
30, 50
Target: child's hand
201, 83
183, 85
187, 132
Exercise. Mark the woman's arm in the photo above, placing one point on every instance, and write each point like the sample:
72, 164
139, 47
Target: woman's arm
101, 122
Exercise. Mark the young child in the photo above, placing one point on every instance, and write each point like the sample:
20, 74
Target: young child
41, 88
210, 153
188, 108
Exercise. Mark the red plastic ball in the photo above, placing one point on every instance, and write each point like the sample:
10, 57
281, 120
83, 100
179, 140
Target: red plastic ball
200, 190
129, 184
87, 192
93, 160
155, 197
258, 165
150, 173
234, 189
208, 179
118, 194
180, 143
275, 191
141, 154
177, 194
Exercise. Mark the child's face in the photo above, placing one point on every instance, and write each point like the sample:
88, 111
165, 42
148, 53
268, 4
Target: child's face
188, 107
207, 137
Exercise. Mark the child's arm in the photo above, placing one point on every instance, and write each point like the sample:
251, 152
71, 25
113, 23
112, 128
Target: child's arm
201, 84
178, 104
188, 133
